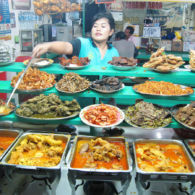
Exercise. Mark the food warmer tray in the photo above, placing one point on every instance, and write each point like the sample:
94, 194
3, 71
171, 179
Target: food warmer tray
99, 174
36, 170
10, 133
186, 142
143, 177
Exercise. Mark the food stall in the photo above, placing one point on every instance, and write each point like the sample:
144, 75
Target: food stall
59, 160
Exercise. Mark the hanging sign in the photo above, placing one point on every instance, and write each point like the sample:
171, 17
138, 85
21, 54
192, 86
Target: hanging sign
5, 29
104, 1
177, 1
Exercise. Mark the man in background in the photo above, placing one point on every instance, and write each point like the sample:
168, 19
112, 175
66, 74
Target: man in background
125, 48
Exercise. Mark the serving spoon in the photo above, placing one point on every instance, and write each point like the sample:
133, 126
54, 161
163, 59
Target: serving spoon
6, 106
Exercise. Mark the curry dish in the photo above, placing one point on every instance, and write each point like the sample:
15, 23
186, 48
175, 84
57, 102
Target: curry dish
5, 143
100, 154
161, 157
38, 150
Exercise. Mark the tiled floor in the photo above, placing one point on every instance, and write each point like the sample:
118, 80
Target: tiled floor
21, 185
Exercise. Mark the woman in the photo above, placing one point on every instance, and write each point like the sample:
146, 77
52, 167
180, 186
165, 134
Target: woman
95, 48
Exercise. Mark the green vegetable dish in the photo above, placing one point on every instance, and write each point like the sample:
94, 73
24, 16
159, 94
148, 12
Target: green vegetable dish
147, 115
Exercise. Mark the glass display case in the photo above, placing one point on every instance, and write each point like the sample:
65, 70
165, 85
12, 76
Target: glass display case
29, 39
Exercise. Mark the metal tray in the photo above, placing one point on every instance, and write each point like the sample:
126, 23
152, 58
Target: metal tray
103, 91
66, 92
10, 133
161, 71
127, 120
120, 120
50, 61
124, 67
189, 147
150, 174
174, 109
75, 67
33, 119
92, 170
182, 86
189, 68
36, 169
33, 90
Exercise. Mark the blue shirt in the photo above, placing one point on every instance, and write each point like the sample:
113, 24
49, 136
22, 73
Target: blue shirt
92, 52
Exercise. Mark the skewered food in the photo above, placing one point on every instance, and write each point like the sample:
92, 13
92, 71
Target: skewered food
38, 150
162, 157
100, 154
107, 84
102, 115
186, 114
123, 61
192, 59
72, 83
50, 106
164, 63
147, 115
34, 79
74, 61
162, 88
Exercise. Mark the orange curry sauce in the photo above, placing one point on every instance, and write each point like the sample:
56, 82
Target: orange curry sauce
170, 153
80, 159
5, 142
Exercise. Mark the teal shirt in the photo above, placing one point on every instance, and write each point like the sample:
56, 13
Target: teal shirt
93, 53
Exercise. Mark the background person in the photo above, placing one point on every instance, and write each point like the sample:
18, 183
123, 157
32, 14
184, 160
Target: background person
125, 48
95, 48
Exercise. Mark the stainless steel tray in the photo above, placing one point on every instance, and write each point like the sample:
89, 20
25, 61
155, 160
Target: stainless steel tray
123, 67
50, 61
71, 93
150, 174
68, 67
111, 91
127, 120
182, 86
10, 133
33, 90
189, 147
92, 170
189, 68
173, 112
161, 71
34, 169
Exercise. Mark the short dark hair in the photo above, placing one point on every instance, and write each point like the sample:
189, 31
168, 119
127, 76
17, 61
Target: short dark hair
131, 29
106, 15
120, 35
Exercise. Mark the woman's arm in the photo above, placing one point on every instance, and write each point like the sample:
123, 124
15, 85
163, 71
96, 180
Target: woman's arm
58, 47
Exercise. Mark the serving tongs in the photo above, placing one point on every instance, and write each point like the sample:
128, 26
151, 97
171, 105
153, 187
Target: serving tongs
6, 106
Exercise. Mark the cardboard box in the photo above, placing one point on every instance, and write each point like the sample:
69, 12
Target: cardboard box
166, 44
177, 46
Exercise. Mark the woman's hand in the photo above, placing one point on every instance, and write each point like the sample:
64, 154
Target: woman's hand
40, 50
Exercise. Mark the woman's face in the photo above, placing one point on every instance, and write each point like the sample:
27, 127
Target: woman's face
101, 30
